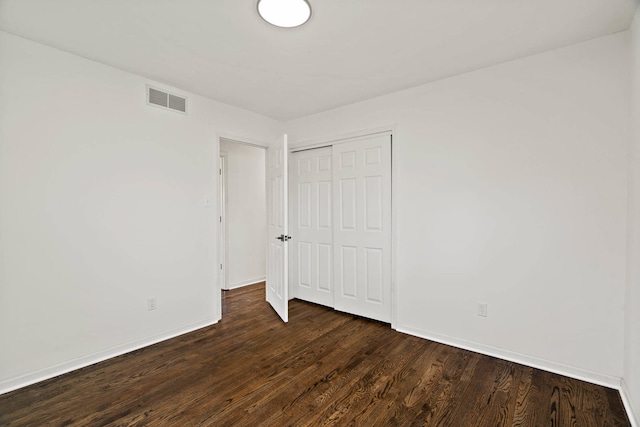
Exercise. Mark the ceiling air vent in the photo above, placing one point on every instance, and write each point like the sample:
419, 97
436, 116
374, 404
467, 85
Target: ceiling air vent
167, 100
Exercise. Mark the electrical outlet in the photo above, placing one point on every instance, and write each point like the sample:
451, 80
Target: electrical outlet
482, 309
152, 303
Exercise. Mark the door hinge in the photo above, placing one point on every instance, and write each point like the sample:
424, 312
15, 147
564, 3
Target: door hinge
220, 170
220, 219
220, 266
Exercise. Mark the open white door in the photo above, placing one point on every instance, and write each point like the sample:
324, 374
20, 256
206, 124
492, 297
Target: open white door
277, 209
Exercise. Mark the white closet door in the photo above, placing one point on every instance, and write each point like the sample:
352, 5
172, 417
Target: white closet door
362, 227
311, 251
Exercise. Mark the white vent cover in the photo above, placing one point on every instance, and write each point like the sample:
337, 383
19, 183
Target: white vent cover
167, 100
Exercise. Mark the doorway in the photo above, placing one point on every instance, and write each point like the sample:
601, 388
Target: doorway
242, 214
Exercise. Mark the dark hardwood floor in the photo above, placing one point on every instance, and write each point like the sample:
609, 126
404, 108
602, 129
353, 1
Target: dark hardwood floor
322, 368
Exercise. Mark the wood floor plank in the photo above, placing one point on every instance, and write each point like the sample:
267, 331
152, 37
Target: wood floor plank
322, 368
527, 400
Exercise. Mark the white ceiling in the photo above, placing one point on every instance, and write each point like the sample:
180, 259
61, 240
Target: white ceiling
350, 50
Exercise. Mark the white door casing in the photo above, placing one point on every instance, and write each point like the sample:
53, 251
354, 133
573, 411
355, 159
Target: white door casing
310, 203
223, 221
277, 215
362, 227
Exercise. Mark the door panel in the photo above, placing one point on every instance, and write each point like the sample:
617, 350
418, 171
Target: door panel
362, 240
373, 203
304, 204
348, 272
324, 204
304, 265
348, 209
311, 271
324, 267
373, 275
277, 208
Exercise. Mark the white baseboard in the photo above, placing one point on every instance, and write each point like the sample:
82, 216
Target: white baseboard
81, 362
626, 400
247, 282
523, 359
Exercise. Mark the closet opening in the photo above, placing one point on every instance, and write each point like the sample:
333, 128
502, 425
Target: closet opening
340, 223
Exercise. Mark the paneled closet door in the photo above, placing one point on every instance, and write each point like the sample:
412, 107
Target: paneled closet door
311, 251
362, 227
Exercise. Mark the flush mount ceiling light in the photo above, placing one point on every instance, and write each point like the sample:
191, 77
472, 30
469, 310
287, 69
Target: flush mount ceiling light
284, 13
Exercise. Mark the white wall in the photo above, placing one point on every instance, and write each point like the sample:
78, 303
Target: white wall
510, 189
632, 336
101, 207
246, 213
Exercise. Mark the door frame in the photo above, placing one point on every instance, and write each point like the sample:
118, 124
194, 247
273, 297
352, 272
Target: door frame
224, 227
391, 129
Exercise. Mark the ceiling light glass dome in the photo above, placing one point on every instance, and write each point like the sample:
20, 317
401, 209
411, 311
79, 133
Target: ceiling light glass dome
284, 13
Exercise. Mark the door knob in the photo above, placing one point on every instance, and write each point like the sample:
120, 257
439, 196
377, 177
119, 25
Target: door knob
283, 238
